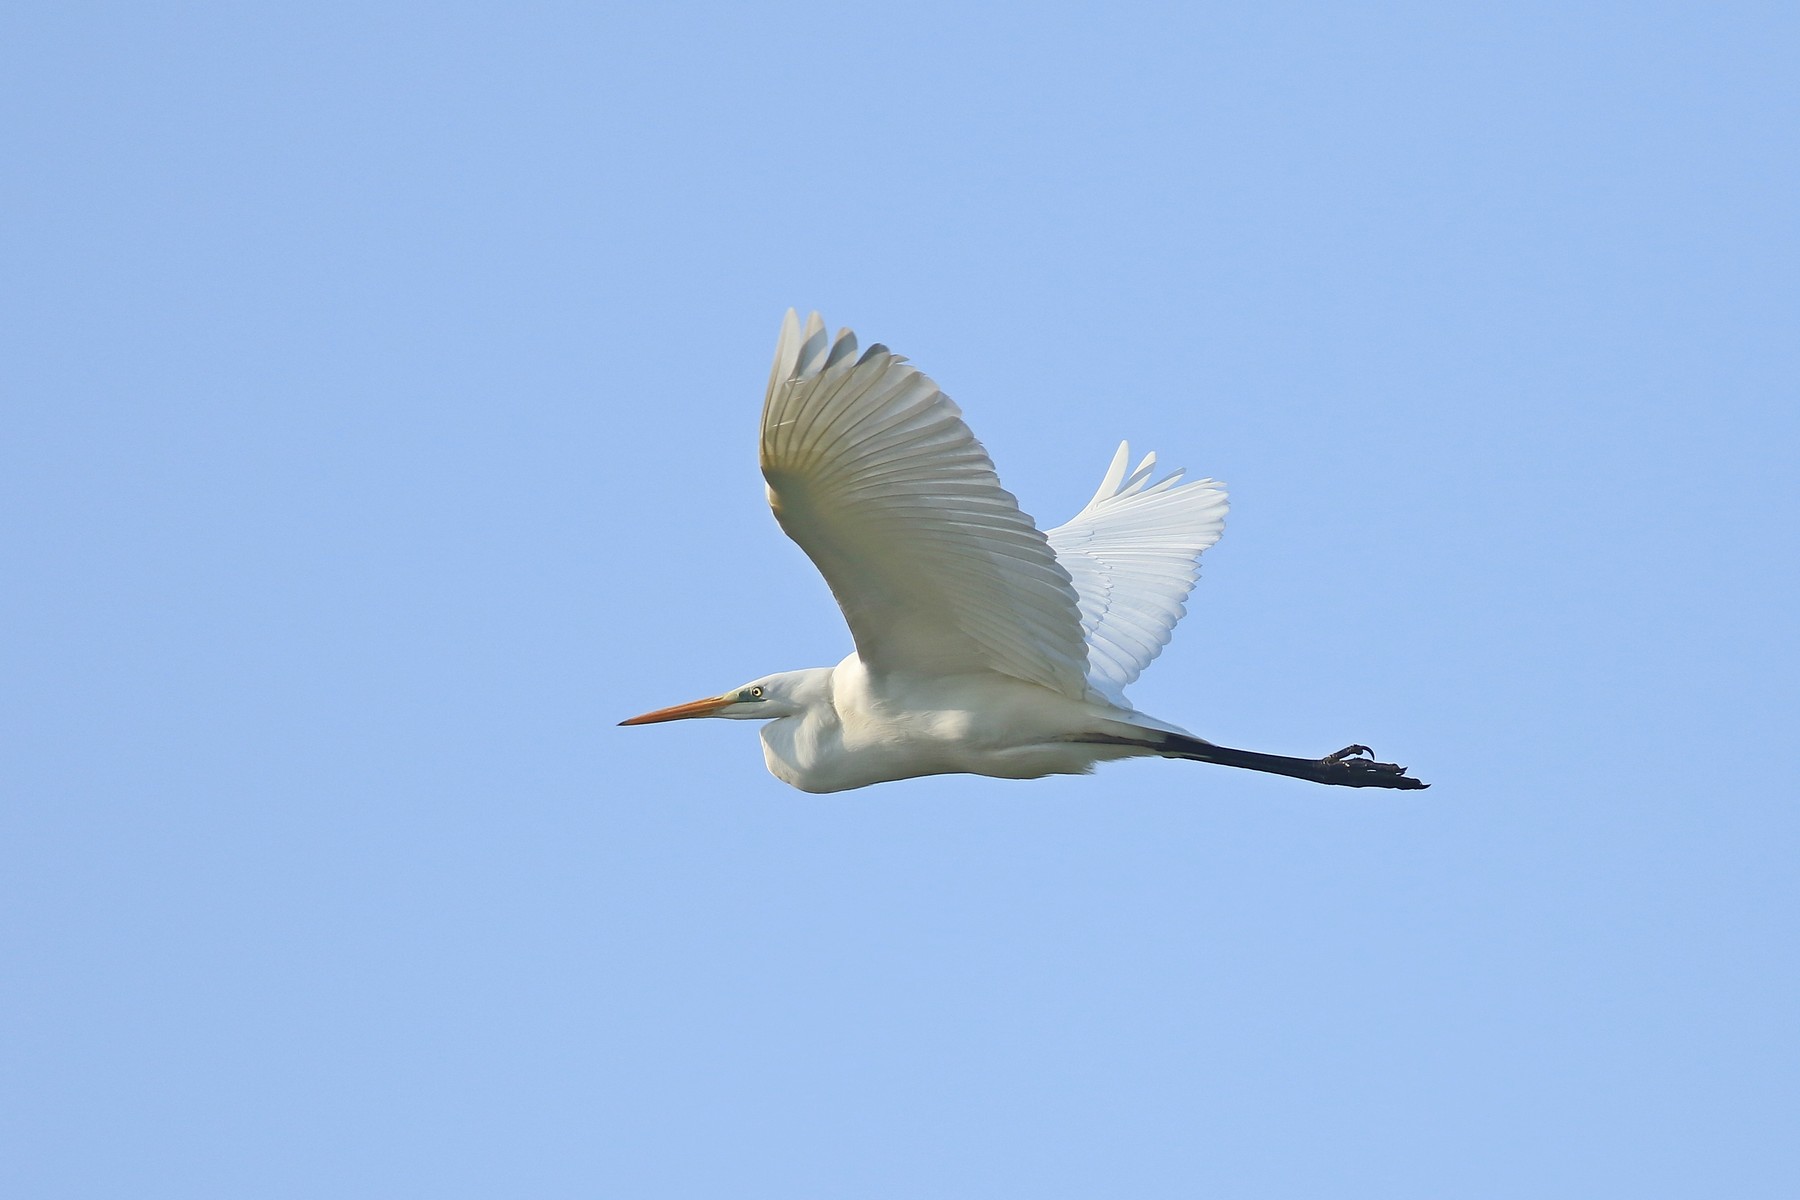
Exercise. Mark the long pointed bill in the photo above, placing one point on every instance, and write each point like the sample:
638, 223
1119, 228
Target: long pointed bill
698, 708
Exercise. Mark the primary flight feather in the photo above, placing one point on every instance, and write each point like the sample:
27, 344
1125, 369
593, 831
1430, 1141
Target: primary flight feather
983, 645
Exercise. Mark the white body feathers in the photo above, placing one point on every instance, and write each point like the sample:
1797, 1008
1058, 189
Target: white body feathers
859, 728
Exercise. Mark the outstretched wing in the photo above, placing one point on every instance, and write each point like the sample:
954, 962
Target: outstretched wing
1133, 555
872, 471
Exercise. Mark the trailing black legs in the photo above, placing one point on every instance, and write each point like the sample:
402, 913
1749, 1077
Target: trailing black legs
1352, 766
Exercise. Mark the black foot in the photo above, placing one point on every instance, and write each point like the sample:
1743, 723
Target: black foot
1353, 766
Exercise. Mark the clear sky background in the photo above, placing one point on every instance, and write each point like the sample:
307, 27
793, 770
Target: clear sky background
380, 394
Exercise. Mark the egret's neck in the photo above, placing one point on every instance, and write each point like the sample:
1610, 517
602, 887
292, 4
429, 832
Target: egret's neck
806, 728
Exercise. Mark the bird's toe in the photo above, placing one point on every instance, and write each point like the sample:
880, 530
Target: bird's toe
1348, 752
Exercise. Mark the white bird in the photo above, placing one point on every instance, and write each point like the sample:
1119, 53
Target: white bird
982, 644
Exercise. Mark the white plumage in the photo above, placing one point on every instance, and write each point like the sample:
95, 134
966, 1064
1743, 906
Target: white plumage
872, 471
1133, 554
982, 644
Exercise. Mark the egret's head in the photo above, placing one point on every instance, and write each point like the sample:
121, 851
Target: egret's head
771, 696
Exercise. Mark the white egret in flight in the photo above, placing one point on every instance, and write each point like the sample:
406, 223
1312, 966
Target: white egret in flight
982, 644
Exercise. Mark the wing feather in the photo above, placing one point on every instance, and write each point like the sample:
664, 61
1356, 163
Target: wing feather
873, 473
1133, 556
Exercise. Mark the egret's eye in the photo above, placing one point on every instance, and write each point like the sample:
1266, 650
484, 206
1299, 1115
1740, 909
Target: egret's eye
756, 693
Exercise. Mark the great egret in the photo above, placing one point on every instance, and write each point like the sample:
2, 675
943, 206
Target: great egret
982, 645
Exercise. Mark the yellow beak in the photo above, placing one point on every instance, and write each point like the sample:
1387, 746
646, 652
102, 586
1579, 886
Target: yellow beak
697, 708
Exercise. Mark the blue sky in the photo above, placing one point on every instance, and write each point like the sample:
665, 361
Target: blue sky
381, 385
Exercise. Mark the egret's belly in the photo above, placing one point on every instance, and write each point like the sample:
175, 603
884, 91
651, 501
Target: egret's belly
901, 730
854, 767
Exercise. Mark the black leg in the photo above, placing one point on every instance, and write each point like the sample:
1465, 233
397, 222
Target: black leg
1353, 766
